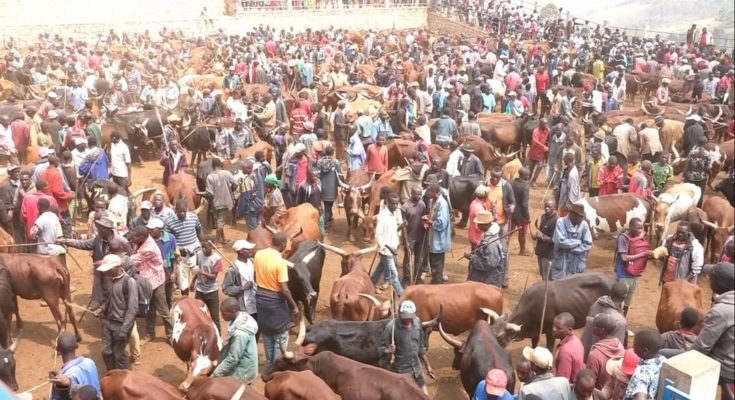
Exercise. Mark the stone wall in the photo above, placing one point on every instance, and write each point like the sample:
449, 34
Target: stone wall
85, 19
437, 21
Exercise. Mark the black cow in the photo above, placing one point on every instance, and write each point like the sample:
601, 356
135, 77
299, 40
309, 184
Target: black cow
574, 294
356, 340
8, 306
727, 187
305, 275
7, 366
140, 130
483, 350
461, 194
198, 140
9, 110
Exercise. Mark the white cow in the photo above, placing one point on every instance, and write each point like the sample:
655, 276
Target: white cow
612, 213
671, 205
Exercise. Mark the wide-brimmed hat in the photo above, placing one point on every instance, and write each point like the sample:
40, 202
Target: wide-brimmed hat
173, 118
539, 356
106, 222
576, 209
484, 217
109, 262
467, 147
600, 134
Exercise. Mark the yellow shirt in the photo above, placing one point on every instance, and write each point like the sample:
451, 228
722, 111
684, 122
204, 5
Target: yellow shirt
495, 199
632, 168
594, 171
270, 269
598, 69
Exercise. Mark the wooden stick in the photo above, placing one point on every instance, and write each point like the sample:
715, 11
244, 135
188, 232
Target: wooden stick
218, 251
34, 388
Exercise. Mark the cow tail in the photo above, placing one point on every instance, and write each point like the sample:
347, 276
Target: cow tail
341, 300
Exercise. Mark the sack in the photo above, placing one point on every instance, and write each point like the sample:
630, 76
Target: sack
145, 292
636, 245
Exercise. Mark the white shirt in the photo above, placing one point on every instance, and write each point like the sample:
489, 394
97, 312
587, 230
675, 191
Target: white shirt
7, 146
387, 231
119, 209
77, 158
119, 159
238, 109
247, 274
453, 163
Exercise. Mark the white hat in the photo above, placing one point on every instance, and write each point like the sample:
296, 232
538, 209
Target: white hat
52, 95
407, 309
666, 80
45, 152
153, 223
79, 141
146, 205
299, 147
109, 262
512, 94
242, 245
539, 356
52, 114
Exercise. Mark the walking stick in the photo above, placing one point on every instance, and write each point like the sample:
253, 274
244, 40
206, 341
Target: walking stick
546, 298
218, 251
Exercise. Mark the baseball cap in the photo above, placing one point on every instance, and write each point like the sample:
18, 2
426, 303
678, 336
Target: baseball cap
109, 262
539, 356
242, 245
723, 274
495, 382
407, 309
154, 223
146, 205
106, 222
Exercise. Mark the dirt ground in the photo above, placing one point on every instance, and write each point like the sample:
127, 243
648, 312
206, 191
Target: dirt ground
35, 355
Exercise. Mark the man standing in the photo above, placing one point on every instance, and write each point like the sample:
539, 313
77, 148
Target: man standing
685, 255
330, 172
167, 246
173, 160
208, 266
219, 189
572, 242
252, 193
543, 383
488, 257
545, 227
160, 210
387, 237
239, 282
440, 232
413, 210
75, 373
697, 167
502, 204
187, 231
341, 127
570, 353
273, 300
661, 171
118, 312
627, 141
641, 182
650, 141
149, 264
520, 217
355, 152
608, 346
610, 305
610, 178
239, 355
493, 387
592, 170
120, 162
644, 382
539, 148
376, 160
474, 233
569, 190
470, 164
29, 207
46, 229
403, 345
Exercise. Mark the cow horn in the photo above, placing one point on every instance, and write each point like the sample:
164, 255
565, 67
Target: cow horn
290, 264
187, 120
372, 299
202, 206
342, 184
14, 345
333, 249
643, 108
368, 185
302, 333
362, 252
140, 192
434, 322
301, 230
509, 155
689, 111
288, 355
491, 314
271, 229
513, 327
454, 342
719, 114
710, 224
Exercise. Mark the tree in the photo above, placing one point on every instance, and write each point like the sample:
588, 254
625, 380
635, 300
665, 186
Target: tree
549, 11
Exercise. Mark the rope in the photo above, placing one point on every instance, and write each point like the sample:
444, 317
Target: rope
34, 388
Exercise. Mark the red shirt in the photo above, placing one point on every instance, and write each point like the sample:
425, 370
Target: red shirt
610, 180
376, 159
542, 80
299, 117
29, 209
539, 146
21, 133
569, 358
55, 188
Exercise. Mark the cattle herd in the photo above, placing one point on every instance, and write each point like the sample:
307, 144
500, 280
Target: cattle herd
519, 102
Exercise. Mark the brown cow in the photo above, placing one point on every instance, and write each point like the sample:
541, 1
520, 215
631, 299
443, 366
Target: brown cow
122, 384
356, 191
301, 385
36, 277
345, 301
183, 186
243, 154
400, 150
386, 180
195, 338
297, 223
221, 388
722, 217
675, 296
6, 242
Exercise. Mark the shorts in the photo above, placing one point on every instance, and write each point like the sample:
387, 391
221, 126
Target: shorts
631, 284
521, 225
219, 217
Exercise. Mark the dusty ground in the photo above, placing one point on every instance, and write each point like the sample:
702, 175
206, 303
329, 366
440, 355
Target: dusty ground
35, 356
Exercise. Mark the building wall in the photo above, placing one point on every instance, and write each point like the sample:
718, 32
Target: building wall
85, 19
438, 22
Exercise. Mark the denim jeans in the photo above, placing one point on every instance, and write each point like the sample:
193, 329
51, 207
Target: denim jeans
272, 349
387, 266
113, 348
211, 300
252, 220
543, 267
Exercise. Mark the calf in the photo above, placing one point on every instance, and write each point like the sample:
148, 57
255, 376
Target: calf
675, 296
574, 294
347, 300
221, 388
299, 223
356, 192
722, 218
305, 275
483, 350
302, 385
350, 379
195, 339
671, 205
34, 277
122, 384
611, 213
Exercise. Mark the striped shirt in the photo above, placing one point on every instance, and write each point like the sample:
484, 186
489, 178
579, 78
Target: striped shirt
184, 231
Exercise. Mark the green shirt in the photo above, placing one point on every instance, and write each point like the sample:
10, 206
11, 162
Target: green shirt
661, 173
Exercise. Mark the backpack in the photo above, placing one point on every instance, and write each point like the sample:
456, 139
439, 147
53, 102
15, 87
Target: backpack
145, 292
636, 245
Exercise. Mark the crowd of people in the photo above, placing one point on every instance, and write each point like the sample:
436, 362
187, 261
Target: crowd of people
165, 249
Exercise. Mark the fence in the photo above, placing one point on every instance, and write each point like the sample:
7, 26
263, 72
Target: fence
324, 5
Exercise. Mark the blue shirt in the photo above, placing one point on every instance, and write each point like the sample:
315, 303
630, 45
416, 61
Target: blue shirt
441, 239
167, 246
81, 371
645, 378
480, 394
382, 127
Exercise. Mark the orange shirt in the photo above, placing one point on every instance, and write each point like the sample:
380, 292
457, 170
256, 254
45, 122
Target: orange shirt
495, 202
377, 159
270, 269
